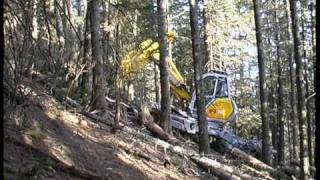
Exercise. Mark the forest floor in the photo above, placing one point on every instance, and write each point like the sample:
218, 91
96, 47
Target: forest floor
45, 139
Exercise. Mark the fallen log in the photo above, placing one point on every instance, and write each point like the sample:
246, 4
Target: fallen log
259, 174
148, 121
250, 159
254, 162
218, 169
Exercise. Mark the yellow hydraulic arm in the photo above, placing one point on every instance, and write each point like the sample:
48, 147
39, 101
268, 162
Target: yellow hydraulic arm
148, 50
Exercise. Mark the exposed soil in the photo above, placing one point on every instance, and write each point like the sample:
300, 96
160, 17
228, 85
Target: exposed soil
46, 140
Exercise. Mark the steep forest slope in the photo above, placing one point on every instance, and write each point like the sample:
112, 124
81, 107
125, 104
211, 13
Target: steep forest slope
46, 139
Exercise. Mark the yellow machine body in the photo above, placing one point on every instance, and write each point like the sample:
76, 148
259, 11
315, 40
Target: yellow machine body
220, 109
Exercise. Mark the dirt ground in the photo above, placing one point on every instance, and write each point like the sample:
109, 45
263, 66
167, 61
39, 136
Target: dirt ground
43, 139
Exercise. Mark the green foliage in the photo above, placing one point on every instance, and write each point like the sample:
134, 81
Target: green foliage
249, 123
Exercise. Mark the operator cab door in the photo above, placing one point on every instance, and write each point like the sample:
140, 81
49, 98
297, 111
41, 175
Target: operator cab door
214, 86
219, 106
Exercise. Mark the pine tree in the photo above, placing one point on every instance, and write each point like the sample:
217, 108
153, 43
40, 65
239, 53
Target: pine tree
198, 66
266, 140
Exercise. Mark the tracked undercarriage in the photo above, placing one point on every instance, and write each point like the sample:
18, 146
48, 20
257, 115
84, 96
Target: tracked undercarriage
221, 138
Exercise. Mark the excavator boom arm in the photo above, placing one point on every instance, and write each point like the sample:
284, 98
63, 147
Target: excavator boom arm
148, 50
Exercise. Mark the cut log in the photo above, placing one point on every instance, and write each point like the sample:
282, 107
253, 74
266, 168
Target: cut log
218, 169
254, 162
259, 174
250, 159
154, 128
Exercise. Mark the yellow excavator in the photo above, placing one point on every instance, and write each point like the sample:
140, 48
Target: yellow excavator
220, 107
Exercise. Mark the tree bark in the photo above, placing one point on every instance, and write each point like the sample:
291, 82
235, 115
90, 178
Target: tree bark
59, 25
86, 53
304, 161
98, 93
308, 106
272, 93
156, 83
164, 69
206, 59
266, 140
280, 104
293, 99
198, 65
117, 81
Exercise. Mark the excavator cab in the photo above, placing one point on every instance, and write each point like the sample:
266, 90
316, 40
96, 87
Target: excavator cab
220, 108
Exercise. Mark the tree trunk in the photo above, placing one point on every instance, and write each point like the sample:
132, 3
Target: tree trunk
154, 34
266, 140
117, 81
59, 25
156, 83
69, 31
313, 34
86, 53
48, 65
272, 95
308, 107
35, 31
281, 150
280, 104
164, 69
98, 92
206, 44
197, 64
304, 161
273, 118
293, 99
